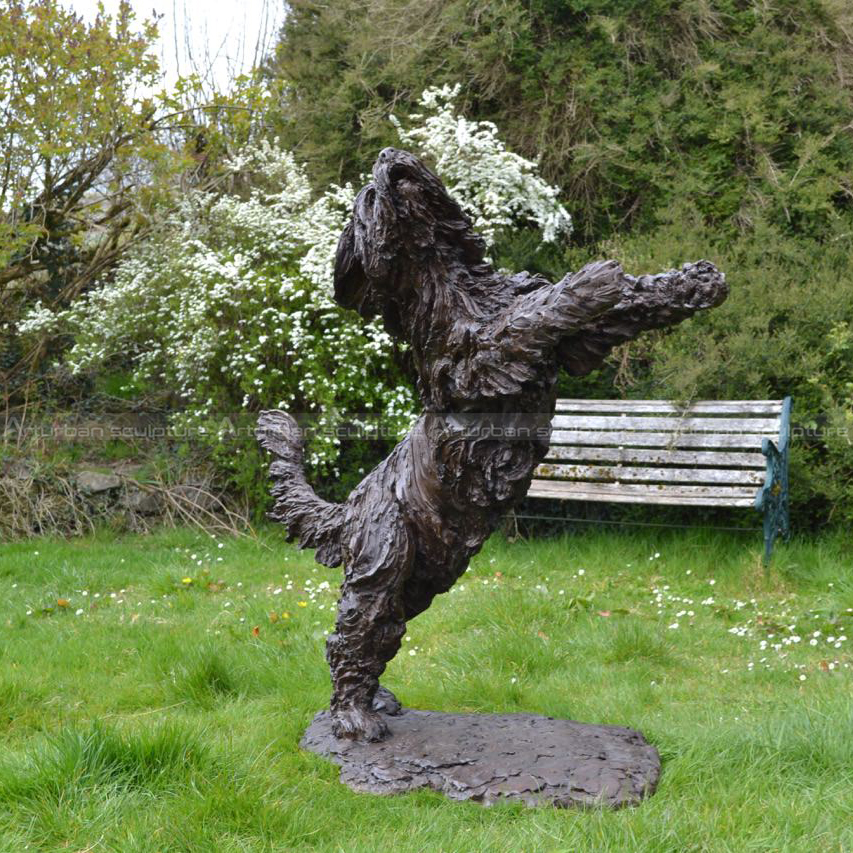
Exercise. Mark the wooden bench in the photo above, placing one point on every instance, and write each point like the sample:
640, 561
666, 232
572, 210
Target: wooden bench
709, 453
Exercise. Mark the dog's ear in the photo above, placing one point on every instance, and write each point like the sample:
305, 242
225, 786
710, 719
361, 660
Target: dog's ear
351, 287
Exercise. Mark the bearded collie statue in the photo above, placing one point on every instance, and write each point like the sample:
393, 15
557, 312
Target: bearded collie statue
486, 349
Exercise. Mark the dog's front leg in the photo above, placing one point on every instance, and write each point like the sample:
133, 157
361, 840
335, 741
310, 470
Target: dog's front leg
647, 302
585, 315
371, 621
535, 323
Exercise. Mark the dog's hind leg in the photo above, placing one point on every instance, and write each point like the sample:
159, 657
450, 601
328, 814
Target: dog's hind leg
431, 577
370, 624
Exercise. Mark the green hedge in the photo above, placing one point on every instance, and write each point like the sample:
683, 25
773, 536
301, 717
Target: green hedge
744, 108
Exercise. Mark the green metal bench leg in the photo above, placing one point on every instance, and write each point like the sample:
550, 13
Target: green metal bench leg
773, 497
769, 532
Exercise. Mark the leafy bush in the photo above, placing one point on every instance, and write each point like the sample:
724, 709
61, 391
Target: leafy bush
229, 304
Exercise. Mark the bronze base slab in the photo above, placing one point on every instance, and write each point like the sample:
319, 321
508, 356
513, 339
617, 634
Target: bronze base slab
489, 758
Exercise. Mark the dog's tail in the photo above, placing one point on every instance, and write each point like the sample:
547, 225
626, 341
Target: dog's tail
311, 521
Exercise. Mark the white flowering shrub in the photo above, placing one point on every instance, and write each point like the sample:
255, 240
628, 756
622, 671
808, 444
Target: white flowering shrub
497, 188
230, 305
230, 302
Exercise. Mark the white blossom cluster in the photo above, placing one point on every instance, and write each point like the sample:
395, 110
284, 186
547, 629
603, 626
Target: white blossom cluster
497, 188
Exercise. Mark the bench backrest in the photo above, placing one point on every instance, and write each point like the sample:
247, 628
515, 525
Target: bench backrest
654, 451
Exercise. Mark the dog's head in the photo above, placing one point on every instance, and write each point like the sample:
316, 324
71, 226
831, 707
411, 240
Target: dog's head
404, 226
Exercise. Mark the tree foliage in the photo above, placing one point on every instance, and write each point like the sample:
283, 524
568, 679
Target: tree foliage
77, 107
94, 158
673, 130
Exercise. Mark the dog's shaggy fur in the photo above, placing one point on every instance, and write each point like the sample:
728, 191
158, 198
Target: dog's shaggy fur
486, 348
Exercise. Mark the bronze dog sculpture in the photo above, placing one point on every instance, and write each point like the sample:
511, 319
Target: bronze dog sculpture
486, 349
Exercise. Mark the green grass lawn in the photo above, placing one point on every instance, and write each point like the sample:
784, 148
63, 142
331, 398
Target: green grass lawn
153, 691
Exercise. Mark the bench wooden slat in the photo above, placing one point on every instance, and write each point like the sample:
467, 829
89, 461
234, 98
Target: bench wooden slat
666, 407
606, 473
749, 441
598, 422
680, 495
718, 458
